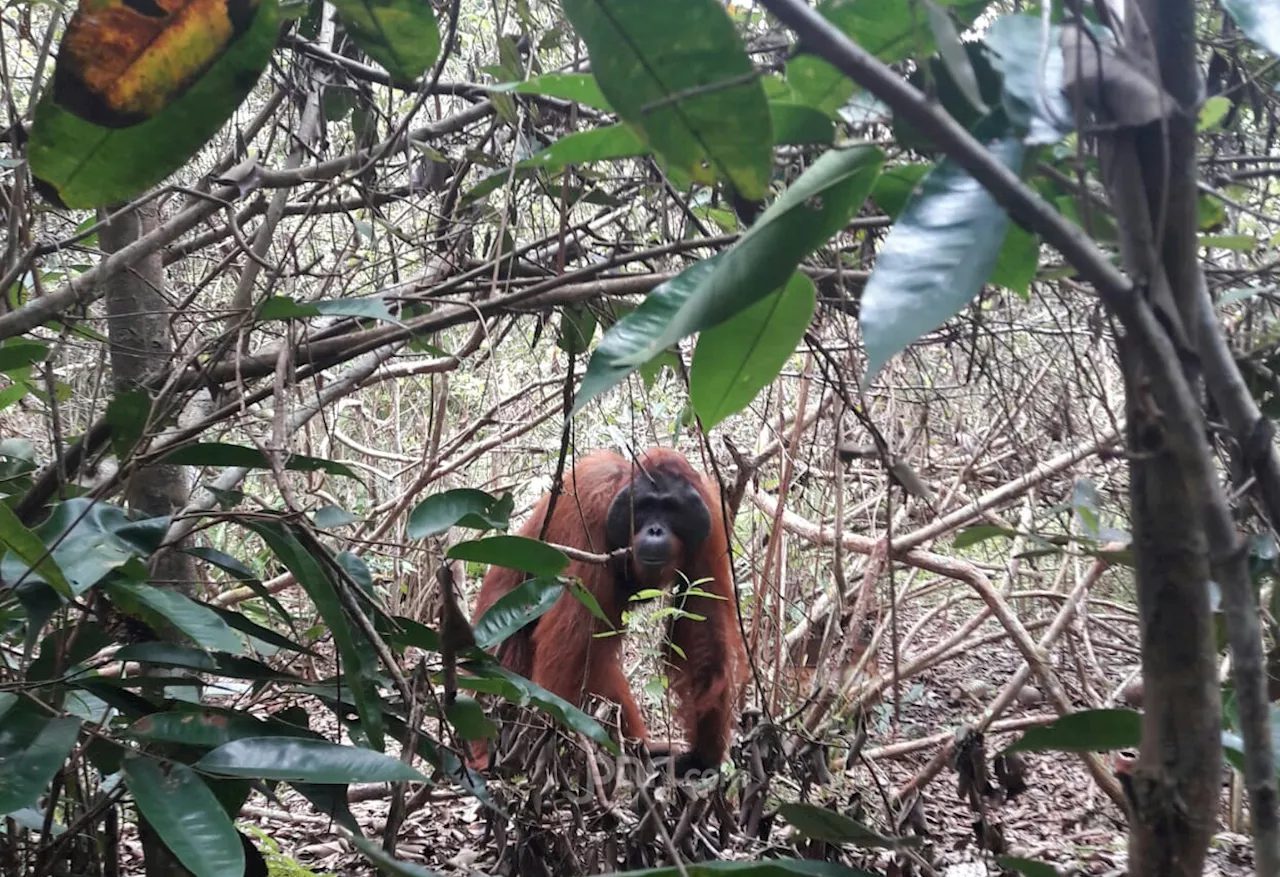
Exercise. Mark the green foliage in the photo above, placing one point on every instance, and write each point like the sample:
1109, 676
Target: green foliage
690, 89
278, 863
940, 252
817, 205
82, 163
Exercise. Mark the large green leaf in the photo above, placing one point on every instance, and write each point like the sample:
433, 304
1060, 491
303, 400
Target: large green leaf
609, 143
242, 574
239, 622
186, 815
816, 83
83, 164
401, 35
737, 358
513, 552
33, 746
827, 825
936, 258
163, 654
1087, 731
65, 648
220, 454
1018, 261
25, 547
1032, 72
210, 728
303, 760
490, 677
812, 209
18, 353
1259, 19
201, 623
128, 414
283, 307
516, 608
360, 665
691, 89
892, 30
795, 124
92, 539
464, 507
578, 87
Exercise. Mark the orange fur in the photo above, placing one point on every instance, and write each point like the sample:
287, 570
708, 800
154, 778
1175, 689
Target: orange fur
561, 653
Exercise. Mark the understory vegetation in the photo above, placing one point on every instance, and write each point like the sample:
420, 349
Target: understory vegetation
969, 309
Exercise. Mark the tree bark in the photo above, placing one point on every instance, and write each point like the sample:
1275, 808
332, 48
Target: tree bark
141, 345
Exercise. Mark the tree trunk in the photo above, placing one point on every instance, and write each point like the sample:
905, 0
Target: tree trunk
141, 345
138, 332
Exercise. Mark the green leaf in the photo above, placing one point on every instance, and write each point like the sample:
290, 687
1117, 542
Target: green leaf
891, 30
820, 823
64, 649
1029, 867
953, 55
489, 676
1240, 243
201, 623
28, 547
795, 124
17, 353
936, 258
304, 760
1212, 112
896, 186
242, 574
816, 206
1032, 92
1017, 262
521, 605
578, 87
186, 815
739, 357
415, 634
401, 35
971, 536
219, 454
1087, 731
816, 83
257, 631
83, 164
577, 326
92, 539
582, 147
33, 746
209, 727
468, 719
463, 507
691, 89
1259, 21
360, 664
512, 552
282, 307
330, 517
128, 414
163, 654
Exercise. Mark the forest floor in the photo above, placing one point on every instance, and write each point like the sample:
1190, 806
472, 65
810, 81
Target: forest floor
1061, 818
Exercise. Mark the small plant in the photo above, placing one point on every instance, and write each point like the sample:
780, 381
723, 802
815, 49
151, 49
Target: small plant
278, 863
